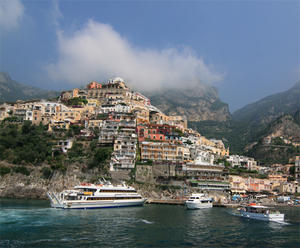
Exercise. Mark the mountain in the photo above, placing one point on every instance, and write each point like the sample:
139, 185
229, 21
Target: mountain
269, 108
11, 90
278, 142
250, 122
198, 103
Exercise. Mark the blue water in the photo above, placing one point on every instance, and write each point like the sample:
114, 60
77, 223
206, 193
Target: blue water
34, 224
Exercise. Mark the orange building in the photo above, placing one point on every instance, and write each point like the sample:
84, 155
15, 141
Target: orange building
94, 85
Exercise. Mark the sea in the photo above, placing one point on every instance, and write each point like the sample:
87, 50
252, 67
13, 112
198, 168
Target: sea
32, 223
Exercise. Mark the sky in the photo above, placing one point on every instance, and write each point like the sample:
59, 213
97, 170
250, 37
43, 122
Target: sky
246, 49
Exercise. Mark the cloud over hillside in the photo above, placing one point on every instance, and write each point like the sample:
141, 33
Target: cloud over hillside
98, 52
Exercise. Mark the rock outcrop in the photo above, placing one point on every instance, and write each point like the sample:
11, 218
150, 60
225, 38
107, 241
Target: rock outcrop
198, 103
35, 186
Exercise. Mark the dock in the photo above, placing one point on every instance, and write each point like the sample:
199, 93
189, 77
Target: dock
167, 202
225, 205
182, 203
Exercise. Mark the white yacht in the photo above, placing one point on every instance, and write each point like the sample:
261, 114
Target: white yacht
103, 195
260, 212
197, 201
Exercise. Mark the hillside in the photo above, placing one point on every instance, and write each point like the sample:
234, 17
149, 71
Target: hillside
278, 142
11, 90
269, 108
251, 122
199, 103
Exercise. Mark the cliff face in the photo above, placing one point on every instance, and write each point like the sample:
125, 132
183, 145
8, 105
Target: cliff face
35, 186
197, 103
277, 142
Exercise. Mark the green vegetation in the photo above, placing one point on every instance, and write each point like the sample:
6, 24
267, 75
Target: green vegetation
237, 171
12, 119
278, 141
76, 150
76, 101
46, 172
168, 187
292, 170
24, 143
74, 130
100, 156
4, 170
223, 161
179, 132
22, 169
102, 116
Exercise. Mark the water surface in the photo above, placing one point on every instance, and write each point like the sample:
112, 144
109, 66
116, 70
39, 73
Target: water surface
34, 224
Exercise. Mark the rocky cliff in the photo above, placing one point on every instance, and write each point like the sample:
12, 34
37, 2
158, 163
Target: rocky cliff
278, 142
35, 185
198, 103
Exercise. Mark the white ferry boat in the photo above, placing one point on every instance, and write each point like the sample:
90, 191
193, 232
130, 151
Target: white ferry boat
260, 212
103, 195
197, 201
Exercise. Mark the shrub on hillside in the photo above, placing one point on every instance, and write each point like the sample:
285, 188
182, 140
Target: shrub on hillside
46, 172
23, 170
100, 156
4, 170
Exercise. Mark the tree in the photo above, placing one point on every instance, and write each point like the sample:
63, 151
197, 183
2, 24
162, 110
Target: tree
292, 170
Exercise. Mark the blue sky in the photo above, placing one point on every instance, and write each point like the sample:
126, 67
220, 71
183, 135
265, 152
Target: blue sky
246, 49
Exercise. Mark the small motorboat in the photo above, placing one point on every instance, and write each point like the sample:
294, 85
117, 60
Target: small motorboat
197, 201
259, 212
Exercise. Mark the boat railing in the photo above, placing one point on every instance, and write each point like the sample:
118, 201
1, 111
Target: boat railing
53, 198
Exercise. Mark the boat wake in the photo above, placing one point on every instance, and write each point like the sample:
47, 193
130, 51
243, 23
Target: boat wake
234, 213
146, 221
281, 222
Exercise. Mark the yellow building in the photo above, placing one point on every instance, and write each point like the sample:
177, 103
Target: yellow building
59, 125
71, 115
158, 151
276, 180
94, 123
158, 118
237, 184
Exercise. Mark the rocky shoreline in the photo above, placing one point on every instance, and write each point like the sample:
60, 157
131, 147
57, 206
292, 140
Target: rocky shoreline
35, 186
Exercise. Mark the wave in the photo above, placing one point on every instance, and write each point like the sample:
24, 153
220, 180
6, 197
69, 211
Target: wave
146, 221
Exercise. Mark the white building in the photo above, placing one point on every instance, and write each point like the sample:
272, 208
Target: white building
242, 161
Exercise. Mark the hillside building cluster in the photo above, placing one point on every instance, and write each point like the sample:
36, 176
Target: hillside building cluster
140, 134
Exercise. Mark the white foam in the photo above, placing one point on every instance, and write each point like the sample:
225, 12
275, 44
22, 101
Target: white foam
147, 222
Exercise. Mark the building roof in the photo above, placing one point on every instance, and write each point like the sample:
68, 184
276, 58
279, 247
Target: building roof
118, 79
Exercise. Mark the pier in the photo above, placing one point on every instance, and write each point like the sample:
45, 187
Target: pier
182, 203
167, 202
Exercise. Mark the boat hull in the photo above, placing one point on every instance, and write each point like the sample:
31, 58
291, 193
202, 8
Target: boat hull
98, 204
265, 217
196, 205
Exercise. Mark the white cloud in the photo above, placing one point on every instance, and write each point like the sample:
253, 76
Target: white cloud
98, 52
11, 12
56, 13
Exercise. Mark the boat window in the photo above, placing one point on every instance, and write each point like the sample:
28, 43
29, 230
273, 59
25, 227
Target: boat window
117, 191
197, 197
192, 198
89, 190
112, 198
